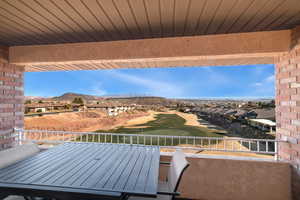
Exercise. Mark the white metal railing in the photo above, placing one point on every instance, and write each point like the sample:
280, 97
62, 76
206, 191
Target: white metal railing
226, 144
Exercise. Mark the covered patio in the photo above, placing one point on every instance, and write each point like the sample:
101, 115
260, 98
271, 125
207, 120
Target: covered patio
53, 35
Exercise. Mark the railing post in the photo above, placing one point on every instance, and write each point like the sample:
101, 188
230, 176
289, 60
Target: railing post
23, 136
162, 140
276, 150
18, 134
217, 142
249, 145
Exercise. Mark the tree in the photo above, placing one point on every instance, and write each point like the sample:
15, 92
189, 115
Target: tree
67, 106
28, 102
272, 103
77, 100
40, 101
260, 104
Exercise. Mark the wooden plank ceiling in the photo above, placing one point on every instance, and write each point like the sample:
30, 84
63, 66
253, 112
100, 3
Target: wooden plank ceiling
31, 22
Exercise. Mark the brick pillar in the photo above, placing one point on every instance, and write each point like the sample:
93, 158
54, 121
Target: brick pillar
288, 108
11, 99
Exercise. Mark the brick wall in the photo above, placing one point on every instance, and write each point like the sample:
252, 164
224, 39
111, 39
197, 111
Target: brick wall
11, 102
288, 108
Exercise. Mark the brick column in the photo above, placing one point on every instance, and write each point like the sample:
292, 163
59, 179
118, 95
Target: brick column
11, 99
288, 108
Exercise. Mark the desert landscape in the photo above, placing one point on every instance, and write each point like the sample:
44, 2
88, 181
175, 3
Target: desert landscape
92, 121
81, 121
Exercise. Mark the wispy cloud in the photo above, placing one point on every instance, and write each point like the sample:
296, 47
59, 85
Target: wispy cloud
94, 87
98, 90
229, 81
270, 79
213, 75
264, 87
151, 85
258, 84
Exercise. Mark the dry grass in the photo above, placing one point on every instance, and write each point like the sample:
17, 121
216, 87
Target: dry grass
80, 121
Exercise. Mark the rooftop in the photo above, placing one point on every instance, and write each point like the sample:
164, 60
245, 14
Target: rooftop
264, 121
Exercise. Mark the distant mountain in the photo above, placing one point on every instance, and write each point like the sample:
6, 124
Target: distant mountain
141, 98
71, 96
121, 98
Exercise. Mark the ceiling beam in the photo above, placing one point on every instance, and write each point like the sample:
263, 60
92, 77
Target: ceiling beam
223, 49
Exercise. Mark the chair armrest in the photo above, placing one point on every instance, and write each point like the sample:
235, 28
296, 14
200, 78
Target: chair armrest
169, 193
165, 163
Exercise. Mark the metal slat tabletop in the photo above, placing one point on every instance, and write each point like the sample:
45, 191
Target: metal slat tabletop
95, 169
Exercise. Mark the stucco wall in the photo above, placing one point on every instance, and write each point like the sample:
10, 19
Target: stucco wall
222, 179
11, 102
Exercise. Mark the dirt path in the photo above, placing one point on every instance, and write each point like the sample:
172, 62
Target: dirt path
141, 120
191, 119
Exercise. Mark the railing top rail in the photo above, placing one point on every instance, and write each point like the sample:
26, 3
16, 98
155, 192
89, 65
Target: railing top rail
197, 143
147, 135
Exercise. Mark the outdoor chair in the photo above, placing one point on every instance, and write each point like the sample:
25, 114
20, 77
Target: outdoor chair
13, 155
167, 190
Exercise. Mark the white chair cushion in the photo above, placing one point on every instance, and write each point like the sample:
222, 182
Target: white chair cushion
13, 197
13, 155
178, 164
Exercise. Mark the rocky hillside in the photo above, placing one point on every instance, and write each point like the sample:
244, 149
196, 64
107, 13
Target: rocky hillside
70, 96
140, 100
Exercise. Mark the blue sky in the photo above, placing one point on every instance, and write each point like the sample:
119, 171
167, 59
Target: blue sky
249, 81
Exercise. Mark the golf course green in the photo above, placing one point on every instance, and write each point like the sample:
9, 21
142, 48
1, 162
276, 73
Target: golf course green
166, 124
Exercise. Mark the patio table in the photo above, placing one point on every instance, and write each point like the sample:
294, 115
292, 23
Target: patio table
85, 170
